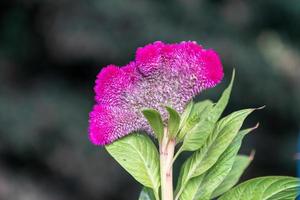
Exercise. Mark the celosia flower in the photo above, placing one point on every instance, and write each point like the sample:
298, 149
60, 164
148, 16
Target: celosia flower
162, 74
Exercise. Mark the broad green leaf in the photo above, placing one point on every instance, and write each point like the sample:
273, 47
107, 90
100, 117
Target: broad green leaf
203, 159
173, 123
137, 154
147, 194
190, 190
265, 188
186, 114
155, 121
215, 175
210, 180
196, 137
240, 164
200, 111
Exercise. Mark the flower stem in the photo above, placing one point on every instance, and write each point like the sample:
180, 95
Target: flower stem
167, 147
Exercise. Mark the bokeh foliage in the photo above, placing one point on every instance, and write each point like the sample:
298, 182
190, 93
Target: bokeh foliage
51, 51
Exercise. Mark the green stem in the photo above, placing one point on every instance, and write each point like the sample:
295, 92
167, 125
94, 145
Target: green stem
167, 147
156, 196
179, 193
176, 155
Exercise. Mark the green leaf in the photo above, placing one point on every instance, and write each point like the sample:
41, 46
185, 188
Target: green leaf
199, 111
217, 142
215, 175
196, 137
147, 194
186, 113
265, 188
240, 164
190, 190
155, 121
137, 154
174, 121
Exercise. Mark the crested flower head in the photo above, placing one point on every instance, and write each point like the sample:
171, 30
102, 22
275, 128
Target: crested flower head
162, 74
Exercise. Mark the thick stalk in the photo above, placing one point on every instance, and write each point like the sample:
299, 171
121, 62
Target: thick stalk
166, 147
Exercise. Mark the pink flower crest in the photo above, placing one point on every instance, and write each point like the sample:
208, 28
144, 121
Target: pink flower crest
162, 74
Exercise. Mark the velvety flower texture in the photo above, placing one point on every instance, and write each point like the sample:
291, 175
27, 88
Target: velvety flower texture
162, 74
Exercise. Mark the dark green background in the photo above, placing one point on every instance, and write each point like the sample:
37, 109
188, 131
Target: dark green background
51, 51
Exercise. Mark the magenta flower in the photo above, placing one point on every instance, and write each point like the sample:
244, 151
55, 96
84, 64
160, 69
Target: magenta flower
162, 74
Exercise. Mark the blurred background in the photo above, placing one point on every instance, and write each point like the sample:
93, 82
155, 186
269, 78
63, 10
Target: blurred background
51, 52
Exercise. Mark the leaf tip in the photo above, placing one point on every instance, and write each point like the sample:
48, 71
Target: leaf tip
233, 73
256, 126
261, 107
232, 77
252, 154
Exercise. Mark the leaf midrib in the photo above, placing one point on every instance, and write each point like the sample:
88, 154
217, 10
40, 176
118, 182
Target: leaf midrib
147, 171
281, 189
